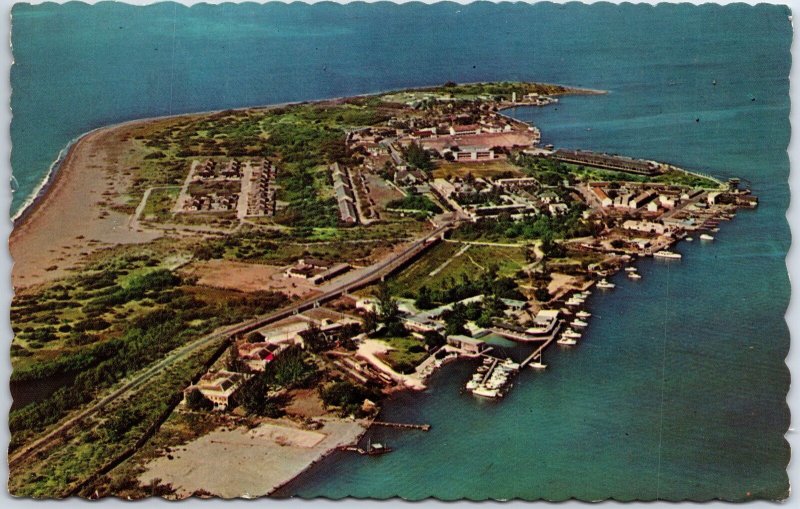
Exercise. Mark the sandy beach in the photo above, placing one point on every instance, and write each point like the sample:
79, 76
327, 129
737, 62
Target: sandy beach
74, 217
249, 463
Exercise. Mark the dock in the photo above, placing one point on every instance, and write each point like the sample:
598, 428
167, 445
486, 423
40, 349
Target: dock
402, 425
537, 352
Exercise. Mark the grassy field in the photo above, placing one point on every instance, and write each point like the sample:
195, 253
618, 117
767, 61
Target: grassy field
160, 203
405, 355
471, 263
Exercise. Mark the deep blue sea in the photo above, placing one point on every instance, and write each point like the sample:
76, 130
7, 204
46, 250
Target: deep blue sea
678, 388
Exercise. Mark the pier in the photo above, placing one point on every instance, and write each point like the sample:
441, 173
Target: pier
402, 425
537, 353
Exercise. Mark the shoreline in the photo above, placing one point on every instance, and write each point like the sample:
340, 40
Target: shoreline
40, 192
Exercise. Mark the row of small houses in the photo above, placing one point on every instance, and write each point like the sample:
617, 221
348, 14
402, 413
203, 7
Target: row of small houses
345, 198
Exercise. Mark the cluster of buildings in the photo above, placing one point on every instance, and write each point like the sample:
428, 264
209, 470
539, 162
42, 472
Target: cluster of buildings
649, 197
262, 192
247, 187
484, 198
256, 351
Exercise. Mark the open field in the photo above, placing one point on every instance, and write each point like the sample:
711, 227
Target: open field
499, 167
470, 263
242, 463
247, 277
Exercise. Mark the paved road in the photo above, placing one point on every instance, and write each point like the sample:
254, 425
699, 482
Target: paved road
368, 276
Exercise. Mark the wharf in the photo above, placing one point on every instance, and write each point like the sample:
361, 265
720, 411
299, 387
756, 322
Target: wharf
402, 425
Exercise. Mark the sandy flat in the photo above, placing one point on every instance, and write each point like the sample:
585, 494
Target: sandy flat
70, 222
248, 277
242, 463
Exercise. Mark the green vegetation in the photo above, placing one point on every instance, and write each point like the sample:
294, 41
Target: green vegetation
418, 157
414, 202
405, 354
348, 396
124, 422
160, 313
540, 226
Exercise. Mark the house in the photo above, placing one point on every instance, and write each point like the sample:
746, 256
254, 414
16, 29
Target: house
256, 356
642, 199
644, 226
464, 130
557, 208
544, 323
219, 387
467, 154
466, 343
602, 196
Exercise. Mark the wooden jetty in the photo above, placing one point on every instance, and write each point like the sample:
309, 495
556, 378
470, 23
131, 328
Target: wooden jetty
402, 425
538, 352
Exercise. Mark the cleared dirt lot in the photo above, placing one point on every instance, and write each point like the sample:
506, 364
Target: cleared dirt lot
249, 463
248, 277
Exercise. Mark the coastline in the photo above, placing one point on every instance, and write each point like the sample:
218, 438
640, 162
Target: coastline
40, 192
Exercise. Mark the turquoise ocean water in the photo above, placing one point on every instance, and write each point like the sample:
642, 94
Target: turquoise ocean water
677, 390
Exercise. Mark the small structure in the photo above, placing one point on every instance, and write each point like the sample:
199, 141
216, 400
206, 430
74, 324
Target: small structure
218, 387
256, 356
544, 324
466, 343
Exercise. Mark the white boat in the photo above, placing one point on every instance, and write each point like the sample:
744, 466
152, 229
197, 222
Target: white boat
566, 341
486, 392
715, 230
583, 314
579, 323
630, 269
605, 284
689, 239
571, 334
585, 294
574, 302
706, 236
667, 254
538, 364
634, 275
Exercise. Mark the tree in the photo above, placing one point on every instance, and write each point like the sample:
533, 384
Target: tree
541, 294
233, 362
254, 337
369, 321
314, 339
388, 311
433, 340
455, 320
424, 300
196, 401
418, 157
253, 396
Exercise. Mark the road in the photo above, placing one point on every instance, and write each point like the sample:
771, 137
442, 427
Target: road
367, 276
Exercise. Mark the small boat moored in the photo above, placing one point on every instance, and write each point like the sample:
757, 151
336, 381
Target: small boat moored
667, 255
706, 236
634, 275
605, 285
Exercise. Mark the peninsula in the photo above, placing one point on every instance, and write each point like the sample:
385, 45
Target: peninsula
207, 304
